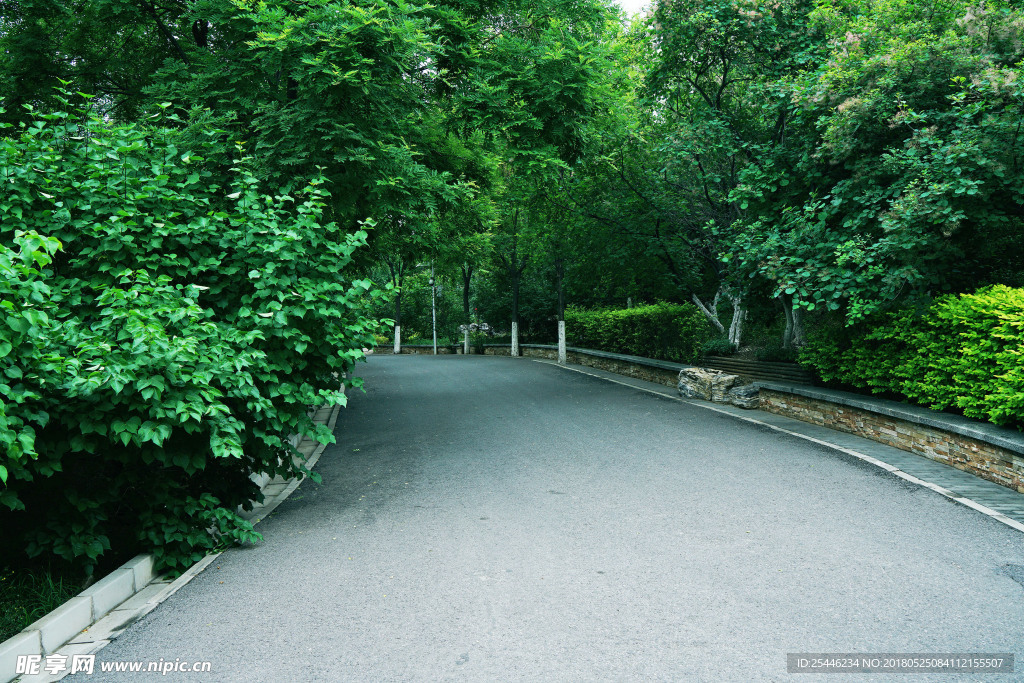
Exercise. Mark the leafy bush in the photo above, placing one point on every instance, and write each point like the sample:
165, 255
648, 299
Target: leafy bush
718, 346
166, 326
963, 352
675, 332
775, 353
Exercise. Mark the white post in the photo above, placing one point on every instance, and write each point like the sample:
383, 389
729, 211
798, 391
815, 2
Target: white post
398, 338
561, 342
515, 339
465, 344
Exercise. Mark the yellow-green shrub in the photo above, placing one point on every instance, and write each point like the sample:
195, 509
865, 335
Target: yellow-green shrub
673, 332
965, 352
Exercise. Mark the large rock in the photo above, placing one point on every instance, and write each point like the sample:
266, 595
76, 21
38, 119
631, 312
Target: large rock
747, 396
710, 385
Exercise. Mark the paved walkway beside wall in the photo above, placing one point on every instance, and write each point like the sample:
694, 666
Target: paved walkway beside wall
496, 519
957, 482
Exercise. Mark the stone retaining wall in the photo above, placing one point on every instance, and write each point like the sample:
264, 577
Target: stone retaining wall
978, 457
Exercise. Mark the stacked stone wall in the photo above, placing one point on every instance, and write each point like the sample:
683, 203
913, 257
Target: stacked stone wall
985, 460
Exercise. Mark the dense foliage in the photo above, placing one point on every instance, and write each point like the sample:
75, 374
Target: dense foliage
184, 261
183, 258
674, 332
964, 352
780, 165
900, 177
165, 331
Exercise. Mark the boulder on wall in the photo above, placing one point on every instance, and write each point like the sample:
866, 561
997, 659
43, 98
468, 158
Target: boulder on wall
710, 385
746, 396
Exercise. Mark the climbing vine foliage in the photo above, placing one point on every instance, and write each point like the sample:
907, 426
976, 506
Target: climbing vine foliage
166, 326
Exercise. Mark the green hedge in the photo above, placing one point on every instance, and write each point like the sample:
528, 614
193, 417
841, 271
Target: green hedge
164, 327
964, 352
674, 332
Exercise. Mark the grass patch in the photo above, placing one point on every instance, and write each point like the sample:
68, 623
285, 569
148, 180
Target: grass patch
28, 594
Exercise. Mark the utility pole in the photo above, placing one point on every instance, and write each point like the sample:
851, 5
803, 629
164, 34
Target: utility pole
433, 304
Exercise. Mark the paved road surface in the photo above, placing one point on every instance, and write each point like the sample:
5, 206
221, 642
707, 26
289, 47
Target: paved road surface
499, 519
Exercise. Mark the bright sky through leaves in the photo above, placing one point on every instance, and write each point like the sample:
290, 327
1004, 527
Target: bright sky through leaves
634, 6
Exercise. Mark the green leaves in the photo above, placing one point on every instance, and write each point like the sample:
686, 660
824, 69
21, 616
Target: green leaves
900, 162
674, 332
134, 376
964, 352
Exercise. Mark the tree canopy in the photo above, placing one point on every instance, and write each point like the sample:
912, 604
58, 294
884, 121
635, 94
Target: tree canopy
211, 206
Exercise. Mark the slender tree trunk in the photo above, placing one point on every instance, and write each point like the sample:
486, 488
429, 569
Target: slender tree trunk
397, 275
798, 327
793, 336
710, 312
787, 334
467, 277
433, 305
515, 267
171, 39
515, 271
736, 327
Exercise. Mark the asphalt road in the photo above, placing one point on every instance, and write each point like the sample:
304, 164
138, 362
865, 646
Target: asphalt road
499, 519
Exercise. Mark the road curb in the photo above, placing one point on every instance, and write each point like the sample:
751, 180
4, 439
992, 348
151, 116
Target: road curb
88, 622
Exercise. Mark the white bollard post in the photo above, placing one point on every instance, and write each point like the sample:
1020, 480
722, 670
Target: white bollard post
398, 338
515, 339
465, 344
561, 342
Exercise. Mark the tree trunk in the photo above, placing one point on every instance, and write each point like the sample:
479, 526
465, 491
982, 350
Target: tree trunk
736, 327
467, 277
433, 305
515, 266
787, 334
710, 312
559, 280
798, 327
793, 336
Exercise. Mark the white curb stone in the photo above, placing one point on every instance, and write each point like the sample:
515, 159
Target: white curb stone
63, 623
111, 591
25, 643
142, 565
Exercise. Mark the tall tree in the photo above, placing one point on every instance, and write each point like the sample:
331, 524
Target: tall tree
901, 173
696, 110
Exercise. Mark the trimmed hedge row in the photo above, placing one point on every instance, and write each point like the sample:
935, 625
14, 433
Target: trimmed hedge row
964, 352
673, 332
